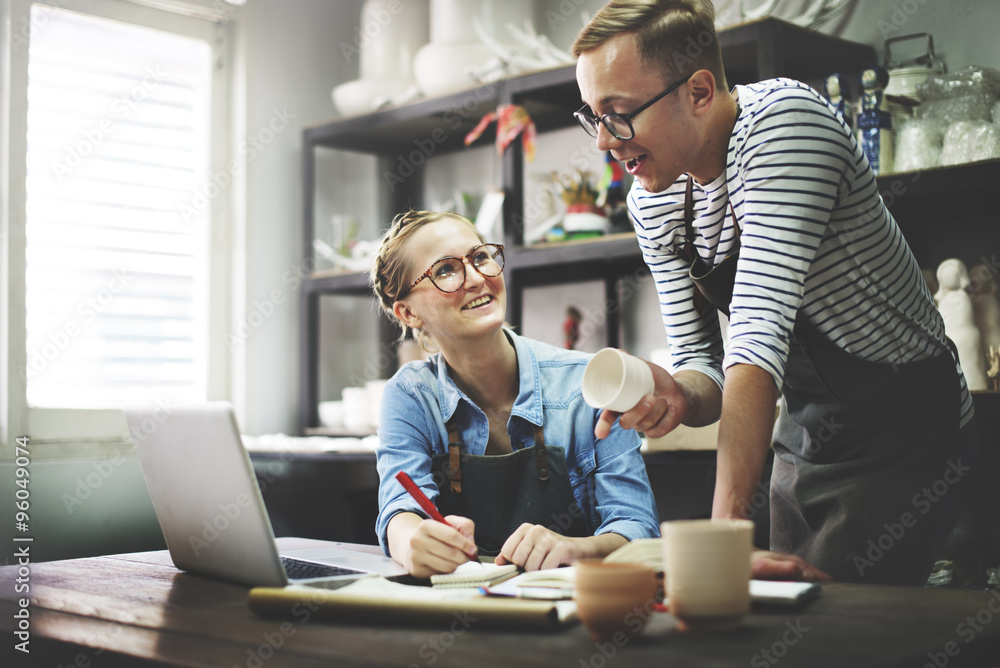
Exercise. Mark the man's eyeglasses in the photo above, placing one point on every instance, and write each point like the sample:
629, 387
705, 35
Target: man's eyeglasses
448, 273
620, 125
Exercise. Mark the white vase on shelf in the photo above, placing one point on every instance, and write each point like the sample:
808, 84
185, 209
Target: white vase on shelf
388, 39
445, 65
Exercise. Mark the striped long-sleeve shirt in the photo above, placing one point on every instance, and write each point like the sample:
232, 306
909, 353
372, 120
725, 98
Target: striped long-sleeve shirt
816, 240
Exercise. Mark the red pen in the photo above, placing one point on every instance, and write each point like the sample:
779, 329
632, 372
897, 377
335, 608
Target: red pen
419, 497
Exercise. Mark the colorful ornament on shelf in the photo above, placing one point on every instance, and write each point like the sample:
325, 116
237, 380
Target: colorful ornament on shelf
875, 121
584, 217
512, 120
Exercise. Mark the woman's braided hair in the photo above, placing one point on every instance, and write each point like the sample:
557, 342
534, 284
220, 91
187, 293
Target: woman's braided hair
390, 273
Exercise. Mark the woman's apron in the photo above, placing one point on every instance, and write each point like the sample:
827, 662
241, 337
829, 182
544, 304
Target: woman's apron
862, 450
501, 492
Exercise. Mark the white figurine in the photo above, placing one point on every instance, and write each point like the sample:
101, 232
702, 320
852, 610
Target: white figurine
955, 305
985, 304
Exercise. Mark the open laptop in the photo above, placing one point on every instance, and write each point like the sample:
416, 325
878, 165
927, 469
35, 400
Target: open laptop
210, 509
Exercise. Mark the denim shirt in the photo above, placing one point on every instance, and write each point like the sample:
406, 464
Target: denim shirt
608, 477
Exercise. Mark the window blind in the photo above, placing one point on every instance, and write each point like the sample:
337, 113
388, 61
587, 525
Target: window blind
117, 224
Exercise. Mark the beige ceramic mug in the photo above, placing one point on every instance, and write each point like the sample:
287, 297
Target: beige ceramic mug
616, 380
707, 565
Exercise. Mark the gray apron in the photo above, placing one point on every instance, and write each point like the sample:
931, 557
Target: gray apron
501, 492
858, 445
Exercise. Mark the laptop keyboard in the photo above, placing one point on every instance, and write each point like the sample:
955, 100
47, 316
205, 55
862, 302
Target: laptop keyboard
296, 569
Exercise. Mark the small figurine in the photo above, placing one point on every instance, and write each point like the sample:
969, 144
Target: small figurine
955, 306
837, 89
875, 121
571, 327
993, 373
985, 304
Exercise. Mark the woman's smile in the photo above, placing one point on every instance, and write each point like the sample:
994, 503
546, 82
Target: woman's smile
478, 302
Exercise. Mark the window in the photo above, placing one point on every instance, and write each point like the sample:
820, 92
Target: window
119, 274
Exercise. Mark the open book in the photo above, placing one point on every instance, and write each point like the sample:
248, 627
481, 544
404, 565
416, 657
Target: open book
645, 551
551, 584
474, 574
558, 583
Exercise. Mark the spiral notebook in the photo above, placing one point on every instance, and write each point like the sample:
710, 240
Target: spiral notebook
474, 574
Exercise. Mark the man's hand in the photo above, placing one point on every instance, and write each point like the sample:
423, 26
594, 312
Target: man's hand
766, 565
533, 547
656, 414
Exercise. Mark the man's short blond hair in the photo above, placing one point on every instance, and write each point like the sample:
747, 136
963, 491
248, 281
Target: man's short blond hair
676, 37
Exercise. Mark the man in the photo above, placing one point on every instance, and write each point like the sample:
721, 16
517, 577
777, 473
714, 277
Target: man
758, 202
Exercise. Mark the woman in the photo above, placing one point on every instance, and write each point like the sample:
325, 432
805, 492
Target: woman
493, 428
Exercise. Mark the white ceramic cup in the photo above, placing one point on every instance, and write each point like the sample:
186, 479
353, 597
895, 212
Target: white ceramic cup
331, 414
355, 409
616, 380
707, 567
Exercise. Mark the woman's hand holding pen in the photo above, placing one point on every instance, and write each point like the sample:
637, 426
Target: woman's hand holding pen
441, 548
433, 546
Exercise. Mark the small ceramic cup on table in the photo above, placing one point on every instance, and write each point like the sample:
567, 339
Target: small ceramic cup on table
614, 601
707, 572
615, 380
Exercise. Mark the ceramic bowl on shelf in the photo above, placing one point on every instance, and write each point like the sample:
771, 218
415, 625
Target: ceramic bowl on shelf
362, 96
441, 69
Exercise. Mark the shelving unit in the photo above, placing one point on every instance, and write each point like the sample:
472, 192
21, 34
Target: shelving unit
404, 138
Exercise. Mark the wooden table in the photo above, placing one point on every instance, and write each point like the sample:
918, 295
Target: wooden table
138, 610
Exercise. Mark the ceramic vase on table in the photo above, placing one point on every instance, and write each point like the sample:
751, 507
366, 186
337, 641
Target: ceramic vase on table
386, 42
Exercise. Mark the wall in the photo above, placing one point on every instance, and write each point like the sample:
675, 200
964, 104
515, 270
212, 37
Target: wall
84, 505
293, 60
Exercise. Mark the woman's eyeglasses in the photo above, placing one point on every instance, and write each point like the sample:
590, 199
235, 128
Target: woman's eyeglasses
620, 125
448, 273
